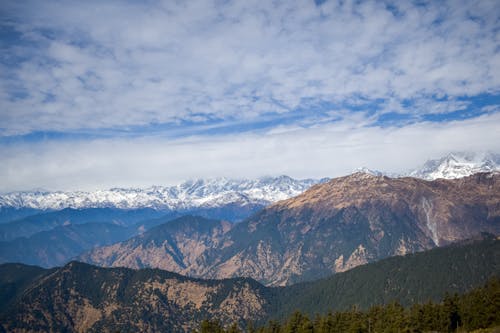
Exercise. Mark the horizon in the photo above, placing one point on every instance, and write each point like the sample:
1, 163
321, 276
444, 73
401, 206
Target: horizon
469, 156
132, 95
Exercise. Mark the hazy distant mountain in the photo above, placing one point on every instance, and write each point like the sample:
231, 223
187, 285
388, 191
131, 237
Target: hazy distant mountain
57, 246
44, 221
80, 297
8, 214
331, 227
208, 193
457, 165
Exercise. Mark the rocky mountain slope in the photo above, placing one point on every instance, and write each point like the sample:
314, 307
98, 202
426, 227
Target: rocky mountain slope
334, 227
207, 193
173, 246
410, 279
84, 298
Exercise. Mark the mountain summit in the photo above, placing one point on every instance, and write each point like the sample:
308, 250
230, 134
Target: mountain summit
457, 165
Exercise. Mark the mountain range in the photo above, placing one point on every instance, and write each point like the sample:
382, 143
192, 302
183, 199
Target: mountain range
53, 237
83, 298
332, 227
223, 193
201, 193
33, 230
263, 243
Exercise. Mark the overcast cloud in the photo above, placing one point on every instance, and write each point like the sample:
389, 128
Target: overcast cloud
125, 93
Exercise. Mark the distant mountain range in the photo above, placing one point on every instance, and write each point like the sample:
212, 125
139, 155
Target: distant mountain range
331, 227
224, 193
289, 233
49, 236
84, 298
202, 193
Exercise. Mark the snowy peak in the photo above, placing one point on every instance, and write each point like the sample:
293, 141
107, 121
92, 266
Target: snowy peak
200, 193
457, 165
218, 192
371, 172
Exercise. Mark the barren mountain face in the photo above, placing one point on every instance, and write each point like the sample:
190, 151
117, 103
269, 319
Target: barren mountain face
84, 298
332, 227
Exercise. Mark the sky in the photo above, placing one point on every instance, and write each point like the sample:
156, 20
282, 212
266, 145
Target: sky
100, 94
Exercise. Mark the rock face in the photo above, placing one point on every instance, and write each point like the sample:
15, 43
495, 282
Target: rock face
84, 298
333, 227
353, 220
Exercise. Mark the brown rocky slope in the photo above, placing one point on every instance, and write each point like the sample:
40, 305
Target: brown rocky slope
83, 298
341, 224
172, 246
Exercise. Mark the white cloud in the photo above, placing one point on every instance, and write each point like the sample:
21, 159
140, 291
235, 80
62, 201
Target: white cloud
95, 64
329, 150
112, 67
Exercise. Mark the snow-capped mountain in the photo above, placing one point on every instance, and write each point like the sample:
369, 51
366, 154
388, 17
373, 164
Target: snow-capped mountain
452, 166
457, 165
202, 193
218, 192
369, 171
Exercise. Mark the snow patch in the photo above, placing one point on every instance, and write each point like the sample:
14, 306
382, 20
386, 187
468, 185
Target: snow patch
430, 222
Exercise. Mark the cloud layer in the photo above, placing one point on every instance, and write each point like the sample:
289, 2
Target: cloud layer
331, 150
126, 93
91, 65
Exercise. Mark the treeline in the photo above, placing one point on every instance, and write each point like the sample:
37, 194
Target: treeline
478, 309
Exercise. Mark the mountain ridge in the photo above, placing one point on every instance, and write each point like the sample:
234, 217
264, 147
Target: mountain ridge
457, 165
172, 246
81, 297
338, 225
217, 192
201, 193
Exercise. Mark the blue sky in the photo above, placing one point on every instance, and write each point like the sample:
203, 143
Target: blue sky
122, 93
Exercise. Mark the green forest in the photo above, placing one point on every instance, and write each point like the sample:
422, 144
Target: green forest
475, 311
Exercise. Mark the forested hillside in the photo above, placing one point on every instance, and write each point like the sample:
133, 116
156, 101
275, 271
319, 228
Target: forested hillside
81, 297
471, 312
